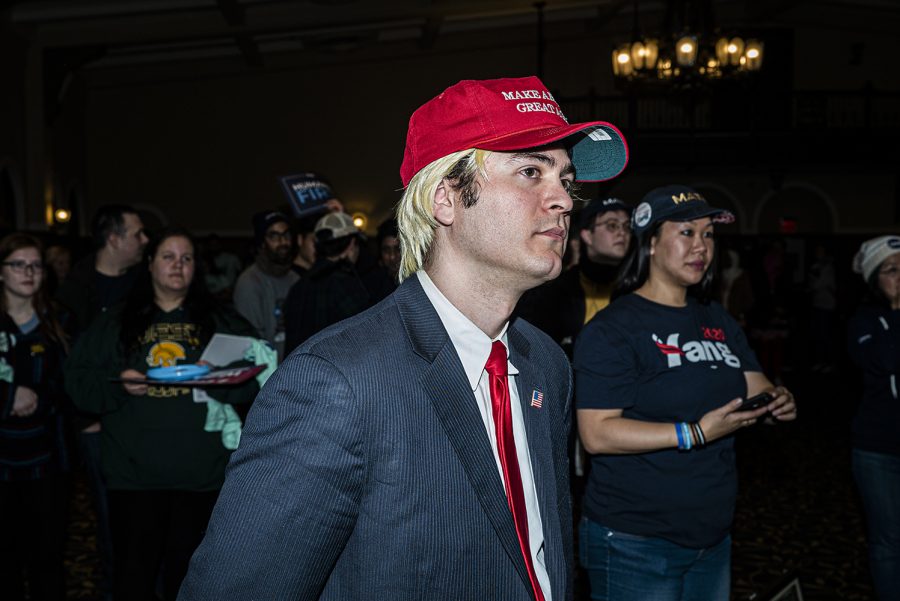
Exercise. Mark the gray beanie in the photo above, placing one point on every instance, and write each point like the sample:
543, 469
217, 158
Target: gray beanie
873, 252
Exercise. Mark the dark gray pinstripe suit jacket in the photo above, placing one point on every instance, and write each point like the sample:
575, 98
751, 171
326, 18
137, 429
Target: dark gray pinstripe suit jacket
365, 472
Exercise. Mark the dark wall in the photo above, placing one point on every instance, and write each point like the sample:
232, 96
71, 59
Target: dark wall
201, 143
12, 127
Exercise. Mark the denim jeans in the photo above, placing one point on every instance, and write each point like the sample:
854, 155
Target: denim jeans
627, 567
878, 479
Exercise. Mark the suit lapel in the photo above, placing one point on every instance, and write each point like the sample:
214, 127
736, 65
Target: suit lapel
449, 392
537, 428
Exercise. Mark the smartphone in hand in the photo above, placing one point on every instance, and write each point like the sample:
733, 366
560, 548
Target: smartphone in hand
755, 402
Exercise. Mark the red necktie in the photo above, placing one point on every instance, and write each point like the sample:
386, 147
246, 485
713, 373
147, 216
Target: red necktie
509, 460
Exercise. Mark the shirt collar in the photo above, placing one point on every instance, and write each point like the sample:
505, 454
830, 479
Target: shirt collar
472, 345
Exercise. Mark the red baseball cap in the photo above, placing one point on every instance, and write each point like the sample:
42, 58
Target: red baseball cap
508, 114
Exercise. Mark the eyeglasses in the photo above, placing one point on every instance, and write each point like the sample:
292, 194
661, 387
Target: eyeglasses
24, 266
891, 271
614, 227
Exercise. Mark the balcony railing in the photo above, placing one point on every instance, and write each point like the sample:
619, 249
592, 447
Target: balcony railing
833, 110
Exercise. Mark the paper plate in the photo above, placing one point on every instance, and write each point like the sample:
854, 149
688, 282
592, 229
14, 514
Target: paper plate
176, 373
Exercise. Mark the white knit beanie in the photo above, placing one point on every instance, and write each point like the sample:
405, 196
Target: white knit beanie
873, 252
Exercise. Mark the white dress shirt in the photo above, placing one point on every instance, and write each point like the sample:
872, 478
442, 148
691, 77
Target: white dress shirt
473, 347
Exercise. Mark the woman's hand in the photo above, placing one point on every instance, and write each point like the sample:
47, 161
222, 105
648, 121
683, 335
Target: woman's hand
135, 389
729, 418
25, 402
783, 408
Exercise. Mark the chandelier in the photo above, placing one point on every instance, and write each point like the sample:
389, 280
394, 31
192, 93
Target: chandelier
689, 49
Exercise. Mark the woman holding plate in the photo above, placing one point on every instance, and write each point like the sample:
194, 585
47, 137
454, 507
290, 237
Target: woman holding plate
162, 466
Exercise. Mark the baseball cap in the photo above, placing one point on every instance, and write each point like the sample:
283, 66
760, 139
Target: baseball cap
873, 252
675, 203
504, 115
335, 225
598, 207
263, 220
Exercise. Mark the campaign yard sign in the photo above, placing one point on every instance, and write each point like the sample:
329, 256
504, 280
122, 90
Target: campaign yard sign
307, 193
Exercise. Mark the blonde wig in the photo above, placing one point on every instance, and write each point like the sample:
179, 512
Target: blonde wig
415, 217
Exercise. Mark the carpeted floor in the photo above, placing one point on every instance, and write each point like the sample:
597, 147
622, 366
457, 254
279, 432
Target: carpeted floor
82, 563
797, 511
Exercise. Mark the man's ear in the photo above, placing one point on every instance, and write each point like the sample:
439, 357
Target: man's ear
443, 203
653, 245
585, 236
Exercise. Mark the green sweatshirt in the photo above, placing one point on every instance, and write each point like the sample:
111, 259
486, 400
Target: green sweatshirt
155, 441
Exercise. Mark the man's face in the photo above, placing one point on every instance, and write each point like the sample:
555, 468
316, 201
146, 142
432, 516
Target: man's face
515, 234
353, 250
277, 242
129, 246
390, 255
306, 247
606, 241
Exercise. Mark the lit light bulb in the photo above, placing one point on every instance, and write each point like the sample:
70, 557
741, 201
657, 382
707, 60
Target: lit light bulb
686, 51
62, 215
360, 220
622, 63
753, 57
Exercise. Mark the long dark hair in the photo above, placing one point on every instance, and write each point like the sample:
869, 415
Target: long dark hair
635, 268
47, 310
140, 305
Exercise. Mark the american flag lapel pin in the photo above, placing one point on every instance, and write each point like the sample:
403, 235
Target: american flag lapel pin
537, 399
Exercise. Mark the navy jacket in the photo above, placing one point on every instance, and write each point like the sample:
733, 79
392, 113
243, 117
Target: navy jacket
874, 345
365, 472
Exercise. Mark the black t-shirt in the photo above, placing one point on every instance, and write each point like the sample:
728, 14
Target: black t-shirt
113, 289
663, 364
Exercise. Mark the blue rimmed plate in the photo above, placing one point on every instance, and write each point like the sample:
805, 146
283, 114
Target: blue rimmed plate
178, 373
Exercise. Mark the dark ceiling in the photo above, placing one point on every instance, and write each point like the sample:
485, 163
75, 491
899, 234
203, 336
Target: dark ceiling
110, 33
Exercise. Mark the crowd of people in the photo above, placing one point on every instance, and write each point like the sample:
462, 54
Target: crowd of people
483, 377
140, 301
